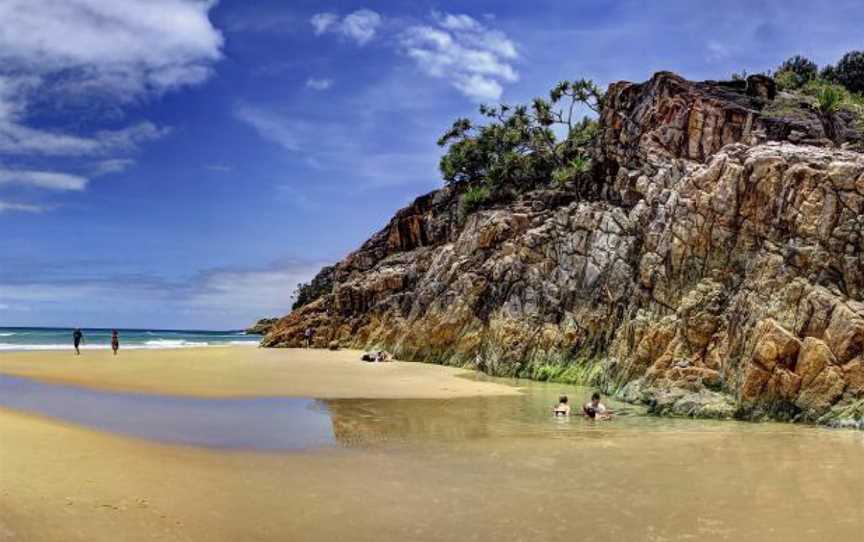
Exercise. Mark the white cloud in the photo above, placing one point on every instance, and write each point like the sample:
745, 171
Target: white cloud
50, 180
15, 138
20, 207
322, 22
77, 52
136, 46
319, 84
287, 133
478, 88
114, 165
360, 26
476, 60
456, 22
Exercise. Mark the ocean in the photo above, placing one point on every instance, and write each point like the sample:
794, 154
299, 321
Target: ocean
50, 338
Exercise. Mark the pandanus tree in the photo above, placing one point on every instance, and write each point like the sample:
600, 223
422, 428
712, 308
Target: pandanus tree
523, 145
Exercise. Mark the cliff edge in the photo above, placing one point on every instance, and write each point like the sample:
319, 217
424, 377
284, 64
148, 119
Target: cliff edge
715, 267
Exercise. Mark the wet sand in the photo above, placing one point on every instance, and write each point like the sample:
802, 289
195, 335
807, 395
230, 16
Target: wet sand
485, 467
247, 372
63, 483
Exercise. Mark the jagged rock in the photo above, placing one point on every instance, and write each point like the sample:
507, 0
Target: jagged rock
717, 269
262, 326
333, 345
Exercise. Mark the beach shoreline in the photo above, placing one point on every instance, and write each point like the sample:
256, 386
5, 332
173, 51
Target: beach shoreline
240, 371
63, 481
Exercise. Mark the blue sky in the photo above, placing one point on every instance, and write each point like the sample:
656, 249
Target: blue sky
179, 163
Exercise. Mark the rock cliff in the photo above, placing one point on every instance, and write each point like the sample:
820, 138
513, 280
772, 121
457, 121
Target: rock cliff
262, 326
715, 268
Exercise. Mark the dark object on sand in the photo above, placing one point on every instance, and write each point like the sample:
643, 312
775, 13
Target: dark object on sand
380, 356
334, 345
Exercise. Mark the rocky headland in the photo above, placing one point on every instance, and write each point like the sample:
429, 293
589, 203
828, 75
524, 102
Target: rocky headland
712, 264
261, 327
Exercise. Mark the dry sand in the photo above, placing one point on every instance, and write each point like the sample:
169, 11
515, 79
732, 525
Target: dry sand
61, 482
247, 372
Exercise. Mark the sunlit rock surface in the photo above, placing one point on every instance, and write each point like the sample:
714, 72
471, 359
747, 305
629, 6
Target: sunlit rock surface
714, 270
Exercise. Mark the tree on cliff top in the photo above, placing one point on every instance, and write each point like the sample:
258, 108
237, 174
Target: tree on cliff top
519, 145
795, 72
849, 71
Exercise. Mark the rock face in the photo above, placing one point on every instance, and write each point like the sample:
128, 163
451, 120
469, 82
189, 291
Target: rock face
262, 326
719, 270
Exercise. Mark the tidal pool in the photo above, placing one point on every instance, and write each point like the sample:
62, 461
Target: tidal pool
493, 468
268, 423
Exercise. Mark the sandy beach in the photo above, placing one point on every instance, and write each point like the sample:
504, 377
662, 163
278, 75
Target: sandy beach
247, 372
470, 461
64, 482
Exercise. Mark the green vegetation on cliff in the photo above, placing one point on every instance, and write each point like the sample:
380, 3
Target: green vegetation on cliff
524, 145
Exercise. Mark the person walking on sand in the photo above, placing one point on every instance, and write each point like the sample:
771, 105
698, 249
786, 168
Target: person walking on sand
115, 341
77, 339
307, 336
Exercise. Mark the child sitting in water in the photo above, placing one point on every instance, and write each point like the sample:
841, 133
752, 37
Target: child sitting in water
594, 409
562, 409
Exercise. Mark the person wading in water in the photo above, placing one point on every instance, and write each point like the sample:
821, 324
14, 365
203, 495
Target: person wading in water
115, 341
77, 339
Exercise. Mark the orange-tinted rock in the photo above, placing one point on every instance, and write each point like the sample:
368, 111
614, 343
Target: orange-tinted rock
822, 392
754, 383
853, 373
774, 345
782, 386
845, 334
814, 357
711, 245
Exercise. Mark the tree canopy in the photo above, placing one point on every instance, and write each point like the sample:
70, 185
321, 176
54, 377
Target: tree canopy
523, 144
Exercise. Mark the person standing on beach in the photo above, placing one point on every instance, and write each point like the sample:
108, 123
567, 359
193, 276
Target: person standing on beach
308, 335
115, 341
77, 339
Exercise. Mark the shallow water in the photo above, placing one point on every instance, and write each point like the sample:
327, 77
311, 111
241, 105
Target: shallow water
278, 423
502, 468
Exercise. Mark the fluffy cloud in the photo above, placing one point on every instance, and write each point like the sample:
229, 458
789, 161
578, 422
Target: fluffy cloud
322, 22
475, 59
360, 25
319, 84
43, 179
126, 45
76, 51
